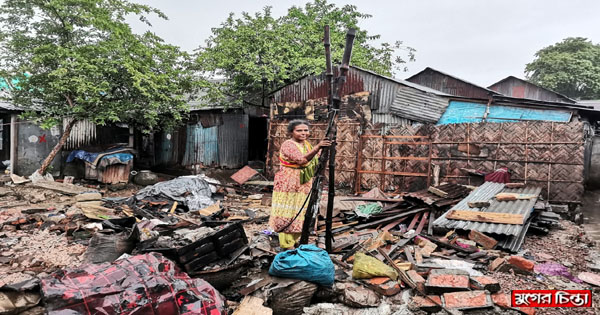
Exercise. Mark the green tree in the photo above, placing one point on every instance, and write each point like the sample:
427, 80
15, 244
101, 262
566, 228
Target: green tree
79, 59
570, 67
258, 52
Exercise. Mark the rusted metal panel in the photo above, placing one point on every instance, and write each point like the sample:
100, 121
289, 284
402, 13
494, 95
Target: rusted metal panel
114, 174
233, 141
449, 84
515, 87
383, 90
454, 191
82, 134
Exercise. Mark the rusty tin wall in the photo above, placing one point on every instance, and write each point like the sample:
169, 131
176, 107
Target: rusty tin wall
446, 83
233, 141
515, 87
382, 89
116, 173
225, 145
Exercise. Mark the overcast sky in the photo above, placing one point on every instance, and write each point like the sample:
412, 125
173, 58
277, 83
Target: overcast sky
479, 41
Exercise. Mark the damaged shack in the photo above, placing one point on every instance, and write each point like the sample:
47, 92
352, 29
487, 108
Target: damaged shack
401, 137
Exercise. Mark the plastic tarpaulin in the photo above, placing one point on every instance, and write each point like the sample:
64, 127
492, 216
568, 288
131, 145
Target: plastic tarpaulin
191, 191
144, 284
103, 159
307, 262
459, 112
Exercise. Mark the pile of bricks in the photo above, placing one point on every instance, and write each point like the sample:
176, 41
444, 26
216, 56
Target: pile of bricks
456, 290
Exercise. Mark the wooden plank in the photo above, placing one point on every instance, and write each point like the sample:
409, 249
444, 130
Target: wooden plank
393, 224
478, 204
394, 173
409, 255
430, 225
514, 196
488, 217
422, 223
414, 222
408, 143
437, 192
66, 189
389, 219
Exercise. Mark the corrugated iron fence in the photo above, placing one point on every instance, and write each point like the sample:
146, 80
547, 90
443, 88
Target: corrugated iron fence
549, 155
225, 145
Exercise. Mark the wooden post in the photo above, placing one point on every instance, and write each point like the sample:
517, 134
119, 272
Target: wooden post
13, 142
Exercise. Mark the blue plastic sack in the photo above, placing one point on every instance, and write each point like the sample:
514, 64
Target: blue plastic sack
307, 262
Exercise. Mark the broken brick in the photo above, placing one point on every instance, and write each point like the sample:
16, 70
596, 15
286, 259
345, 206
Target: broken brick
501, 299
467, 300
486, 283
417, 279
521, 263
427, 305
497, 263
482, 239
379, 280
440, 283
427, 247
388, 289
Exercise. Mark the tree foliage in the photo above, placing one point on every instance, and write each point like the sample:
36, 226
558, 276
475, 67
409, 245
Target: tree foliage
259, 52
570, 67
80, 59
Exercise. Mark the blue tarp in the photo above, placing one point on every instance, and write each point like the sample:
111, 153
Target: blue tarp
82, 155
459, 112
90, 157
307, 262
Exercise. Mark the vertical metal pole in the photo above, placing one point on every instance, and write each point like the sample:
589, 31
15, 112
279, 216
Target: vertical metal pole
315, 191
13, 143
331, 191
336, 100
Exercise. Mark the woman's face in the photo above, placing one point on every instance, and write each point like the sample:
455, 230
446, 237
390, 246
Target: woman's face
300, 132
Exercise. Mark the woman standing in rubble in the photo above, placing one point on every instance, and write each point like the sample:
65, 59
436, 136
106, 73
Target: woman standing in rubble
298, 160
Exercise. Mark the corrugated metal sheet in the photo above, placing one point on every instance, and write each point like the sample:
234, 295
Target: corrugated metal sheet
454, 191
9, 107
418, 105
390, 119
514, 243
515, 87
233, 141
383, 89
202, 146
486, 192
450, 84
114, 174
467, 112
83, 133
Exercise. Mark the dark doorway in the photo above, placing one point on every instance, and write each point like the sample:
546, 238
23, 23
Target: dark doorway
5, 138
257, 138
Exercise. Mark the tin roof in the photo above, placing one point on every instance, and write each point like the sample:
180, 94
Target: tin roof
415, 78
486, 192
384, 91
499, 85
